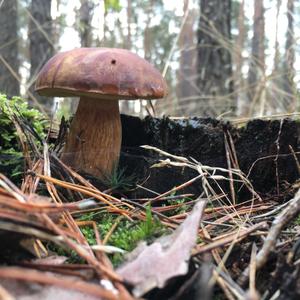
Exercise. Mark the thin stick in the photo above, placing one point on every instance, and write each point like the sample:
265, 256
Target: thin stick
224, 241
252, 270
278, 224
4, 294
63, 282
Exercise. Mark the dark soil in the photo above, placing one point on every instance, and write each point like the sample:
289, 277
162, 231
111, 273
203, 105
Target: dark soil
266, 151
263, 149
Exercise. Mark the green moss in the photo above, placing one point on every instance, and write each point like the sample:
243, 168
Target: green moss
11, 155
127, 234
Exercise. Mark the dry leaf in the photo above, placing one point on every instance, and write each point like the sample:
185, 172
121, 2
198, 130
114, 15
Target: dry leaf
151, 266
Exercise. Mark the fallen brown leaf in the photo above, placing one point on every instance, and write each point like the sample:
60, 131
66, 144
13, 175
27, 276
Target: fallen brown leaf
151, 266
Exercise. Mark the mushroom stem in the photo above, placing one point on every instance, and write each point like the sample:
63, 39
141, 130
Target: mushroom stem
94, 141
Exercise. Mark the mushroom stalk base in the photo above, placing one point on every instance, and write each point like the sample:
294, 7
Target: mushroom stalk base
94, 142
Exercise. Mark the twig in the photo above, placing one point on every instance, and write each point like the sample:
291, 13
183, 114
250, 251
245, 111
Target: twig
229, 161
278, 224
64, 282
277, 143
252, 272
295, 158
175, 189
230, 284
223, 285
233, 236
4, 294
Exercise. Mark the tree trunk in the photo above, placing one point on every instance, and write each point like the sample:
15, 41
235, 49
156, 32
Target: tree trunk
276, 46
125, 106
9, 61
84, 27
41, 45
85, 20
289, 60
147, 32
238, 58
148, 38
257, 61
187, 86
275, 97
214, 58
129, 13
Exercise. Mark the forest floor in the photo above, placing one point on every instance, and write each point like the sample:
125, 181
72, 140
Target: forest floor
64, 233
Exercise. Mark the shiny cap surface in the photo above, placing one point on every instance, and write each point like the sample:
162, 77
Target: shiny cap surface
103, 73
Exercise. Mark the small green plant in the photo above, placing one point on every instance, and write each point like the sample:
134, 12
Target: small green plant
127, 235
297, 220
119, 180
11, 155
182, 207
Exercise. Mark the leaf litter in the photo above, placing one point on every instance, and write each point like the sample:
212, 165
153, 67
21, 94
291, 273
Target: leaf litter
255, 228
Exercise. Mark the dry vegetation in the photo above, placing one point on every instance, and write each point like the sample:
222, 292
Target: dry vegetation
236, 243
60, 231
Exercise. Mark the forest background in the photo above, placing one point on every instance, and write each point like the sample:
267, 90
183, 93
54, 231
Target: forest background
221, 58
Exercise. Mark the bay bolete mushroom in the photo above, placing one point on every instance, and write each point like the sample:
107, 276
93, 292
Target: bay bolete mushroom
101, 77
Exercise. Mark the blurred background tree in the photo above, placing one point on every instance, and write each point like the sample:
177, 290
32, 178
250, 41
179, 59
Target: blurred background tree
229, 58
289, 86
256, 73
9, 48
41, 45
215, 79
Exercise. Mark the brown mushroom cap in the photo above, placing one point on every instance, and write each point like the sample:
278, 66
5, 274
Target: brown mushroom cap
98, 76
102, 73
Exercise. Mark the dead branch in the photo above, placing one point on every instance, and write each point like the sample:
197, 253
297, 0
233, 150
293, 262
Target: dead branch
285, 217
